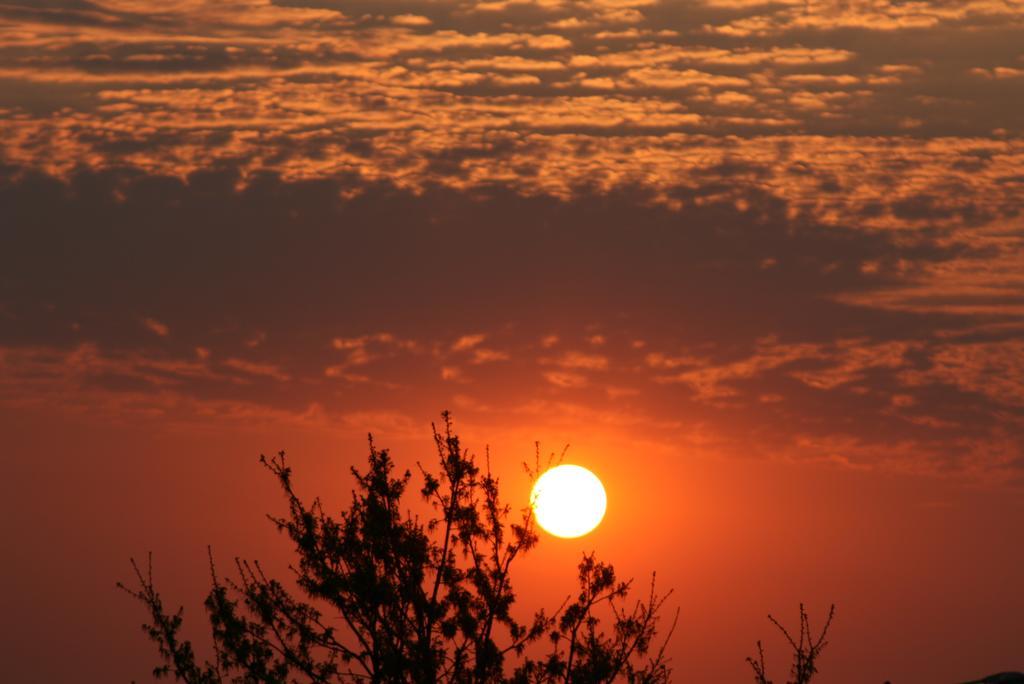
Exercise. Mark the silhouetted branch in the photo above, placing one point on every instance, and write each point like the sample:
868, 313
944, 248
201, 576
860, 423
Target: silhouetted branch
806, 650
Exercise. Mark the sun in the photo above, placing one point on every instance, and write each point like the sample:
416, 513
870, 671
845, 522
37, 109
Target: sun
568, 501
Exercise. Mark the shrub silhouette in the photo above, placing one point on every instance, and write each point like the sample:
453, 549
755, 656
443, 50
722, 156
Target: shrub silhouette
413, 601
806, 650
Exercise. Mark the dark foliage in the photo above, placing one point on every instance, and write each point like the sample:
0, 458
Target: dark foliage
806, 650
386, 597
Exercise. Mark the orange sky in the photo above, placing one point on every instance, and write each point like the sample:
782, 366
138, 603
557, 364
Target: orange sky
758, 262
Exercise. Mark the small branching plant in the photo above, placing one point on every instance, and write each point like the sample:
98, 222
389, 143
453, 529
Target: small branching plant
379, 595
806, 650
581, 652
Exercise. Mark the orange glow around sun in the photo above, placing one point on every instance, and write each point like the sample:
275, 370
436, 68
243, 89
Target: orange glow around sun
568, 501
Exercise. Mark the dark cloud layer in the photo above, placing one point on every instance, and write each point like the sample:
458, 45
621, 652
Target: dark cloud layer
291, 295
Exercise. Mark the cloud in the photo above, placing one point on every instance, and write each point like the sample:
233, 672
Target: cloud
866, 15
481, 355
467, 342
565, 380
664, 79
410, 20
254, 368
581, 361
781, 366
156, 327
824, 196
998, 73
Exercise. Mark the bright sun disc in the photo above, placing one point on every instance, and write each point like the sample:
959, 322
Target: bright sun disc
568, 501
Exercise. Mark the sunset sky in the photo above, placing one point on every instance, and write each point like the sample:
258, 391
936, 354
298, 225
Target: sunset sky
759, 262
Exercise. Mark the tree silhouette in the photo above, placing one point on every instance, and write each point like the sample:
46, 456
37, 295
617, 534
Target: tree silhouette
387, 597
806, 650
